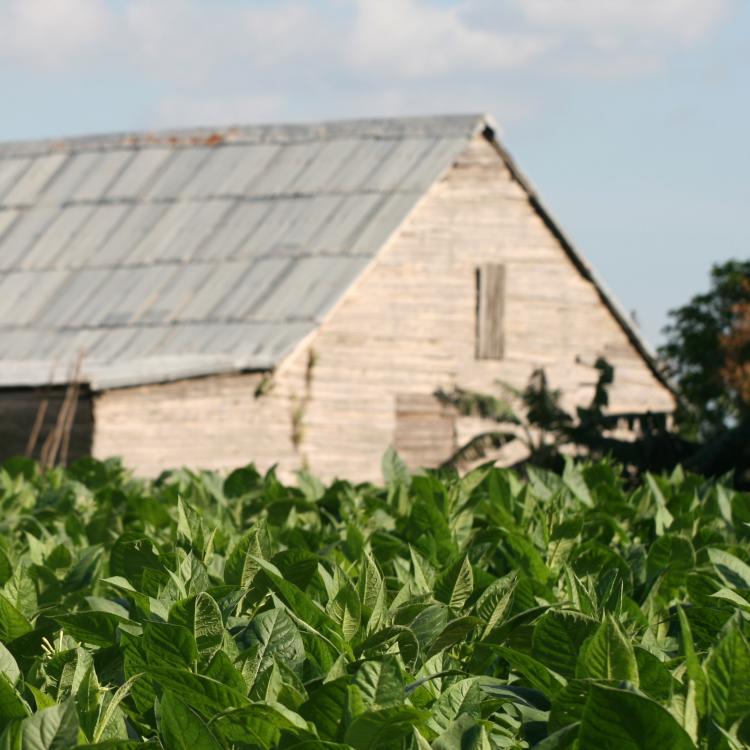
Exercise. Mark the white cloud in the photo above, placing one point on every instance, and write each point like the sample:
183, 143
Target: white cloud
414, 39
681, 20
213, 61
48, 34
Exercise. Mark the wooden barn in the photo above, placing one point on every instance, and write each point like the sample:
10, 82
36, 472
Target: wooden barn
288, 294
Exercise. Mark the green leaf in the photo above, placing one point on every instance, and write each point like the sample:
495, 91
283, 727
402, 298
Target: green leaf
465, 733
208, 627
261, 724
8, 666
558, 638
622, 719
395, 470
455, 586
12, 706
272, 634
381, 682
608, 655
383, 728
12, 623
54, 728
241, 565
181, 728
734, 572
560, 739
202, 693
346, 610
727, 669
537, 674
169, 645
95, 627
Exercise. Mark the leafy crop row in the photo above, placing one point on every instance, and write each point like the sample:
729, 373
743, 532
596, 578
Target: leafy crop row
438, 612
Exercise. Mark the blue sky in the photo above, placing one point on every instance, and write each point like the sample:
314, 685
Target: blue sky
630, 116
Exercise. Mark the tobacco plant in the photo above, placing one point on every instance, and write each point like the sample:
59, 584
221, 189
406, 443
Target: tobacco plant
435, 612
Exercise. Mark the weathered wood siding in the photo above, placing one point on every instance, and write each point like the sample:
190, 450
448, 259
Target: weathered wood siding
19, 409
407, 327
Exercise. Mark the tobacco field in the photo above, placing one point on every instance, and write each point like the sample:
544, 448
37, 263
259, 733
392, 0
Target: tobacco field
433, 612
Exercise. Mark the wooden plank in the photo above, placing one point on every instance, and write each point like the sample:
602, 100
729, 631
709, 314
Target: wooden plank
491, 311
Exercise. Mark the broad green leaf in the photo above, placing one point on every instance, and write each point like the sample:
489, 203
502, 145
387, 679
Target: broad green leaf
454, 586
381, 682
727, 669
465, 733
95, 627
261, 724
395, 470
12, 623
169, 645
8, 665
608, 655
54, 728
205, 695
535, 673
622, 719
383, 728
12, 705
272, 634
558, 638
209, 626
181, 728
733, 571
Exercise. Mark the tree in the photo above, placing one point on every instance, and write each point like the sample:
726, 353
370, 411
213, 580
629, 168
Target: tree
708, 353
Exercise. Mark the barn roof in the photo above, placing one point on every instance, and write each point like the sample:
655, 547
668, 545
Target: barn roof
160, 256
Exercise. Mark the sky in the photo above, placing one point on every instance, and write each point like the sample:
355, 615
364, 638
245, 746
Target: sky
631, 117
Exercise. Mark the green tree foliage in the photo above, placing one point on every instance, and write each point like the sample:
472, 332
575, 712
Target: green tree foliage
698, 357
436, 613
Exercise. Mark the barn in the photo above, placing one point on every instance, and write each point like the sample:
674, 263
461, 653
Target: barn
288, 295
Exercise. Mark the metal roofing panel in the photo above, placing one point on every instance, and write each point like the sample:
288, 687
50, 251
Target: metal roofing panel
180, 232
78, 288
337, 235
13, 287
286, 165
143, 291
229, 169
137, 223
318, 175
145, 343
441, 156
184, 283
232, 236
24, 232
92, 235
392, 211
50, 243
220, 282
97, 309
139, 173
33, 180
10, 171
178, 173
404, 158
38, 289
107, 168
258, 283
7, 217
355, 171
66, 181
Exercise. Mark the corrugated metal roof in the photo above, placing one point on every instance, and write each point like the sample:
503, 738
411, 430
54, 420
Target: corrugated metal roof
159, 256
168, 255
